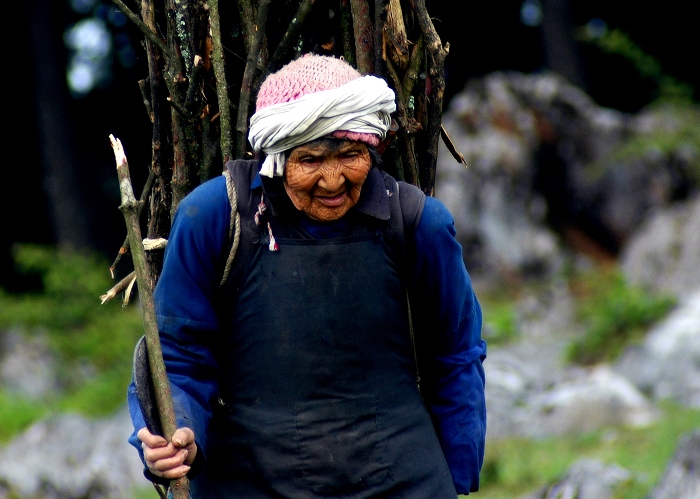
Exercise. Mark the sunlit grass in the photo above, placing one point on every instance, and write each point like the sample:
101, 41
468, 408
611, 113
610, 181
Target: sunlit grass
614, 314
145, 492
499, 313
500, 323
516, 466
17, 413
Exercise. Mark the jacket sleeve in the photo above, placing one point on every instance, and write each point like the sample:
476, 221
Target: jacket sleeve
447, 323
184, 301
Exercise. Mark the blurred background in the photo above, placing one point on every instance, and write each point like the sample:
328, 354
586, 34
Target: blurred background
82, 61
534, 88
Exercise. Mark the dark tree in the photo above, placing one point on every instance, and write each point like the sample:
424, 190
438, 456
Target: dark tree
69, 218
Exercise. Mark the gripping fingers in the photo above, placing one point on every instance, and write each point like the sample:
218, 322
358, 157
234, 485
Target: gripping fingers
170, 467
168, 460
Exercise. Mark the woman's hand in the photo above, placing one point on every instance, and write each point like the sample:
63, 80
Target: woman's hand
168, 460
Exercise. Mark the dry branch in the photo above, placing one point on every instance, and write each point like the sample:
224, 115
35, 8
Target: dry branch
247, 81
217, 59
362, 27
130, 209
436, 74
451, 147
118, 288
148, 33
290, 38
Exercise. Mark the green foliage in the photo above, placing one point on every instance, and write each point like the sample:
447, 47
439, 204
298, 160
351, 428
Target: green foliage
72, 284
682, 128
617, 42
145, 492
101, 395
499, 312
500, 321
93, 342
16, 413
681, 134
614, 314
514, 466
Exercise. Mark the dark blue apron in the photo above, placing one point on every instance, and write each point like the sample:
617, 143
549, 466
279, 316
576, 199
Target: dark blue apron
318, 380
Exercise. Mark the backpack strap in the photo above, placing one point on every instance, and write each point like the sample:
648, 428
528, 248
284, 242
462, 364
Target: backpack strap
406, 207
412, 201
407, 203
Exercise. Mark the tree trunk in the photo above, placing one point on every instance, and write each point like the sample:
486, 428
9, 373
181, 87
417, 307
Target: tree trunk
62, 178
560, 51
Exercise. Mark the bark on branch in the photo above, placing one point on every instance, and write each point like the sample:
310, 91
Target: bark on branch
148, 33
436, 73
362, 27
130, 209
226, 135
247, 81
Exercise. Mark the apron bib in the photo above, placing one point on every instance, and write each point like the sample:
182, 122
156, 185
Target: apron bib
318, 381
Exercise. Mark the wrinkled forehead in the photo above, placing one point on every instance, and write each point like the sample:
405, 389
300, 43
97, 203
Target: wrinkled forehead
328, 145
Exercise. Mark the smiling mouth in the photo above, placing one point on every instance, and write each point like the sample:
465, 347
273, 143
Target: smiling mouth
332, 201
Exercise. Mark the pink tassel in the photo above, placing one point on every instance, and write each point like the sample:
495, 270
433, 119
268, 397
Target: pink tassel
261, 211
273, 244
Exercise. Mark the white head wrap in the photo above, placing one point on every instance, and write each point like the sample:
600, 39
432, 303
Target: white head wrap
362, 105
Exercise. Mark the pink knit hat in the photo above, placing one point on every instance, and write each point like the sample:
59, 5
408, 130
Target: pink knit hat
306, 75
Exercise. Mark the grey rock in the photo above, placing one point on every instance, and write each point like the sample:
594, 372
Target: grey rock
667, 364
585, 479
598, 399
664, 254
26, 365
681, 479
543, 157
68, 456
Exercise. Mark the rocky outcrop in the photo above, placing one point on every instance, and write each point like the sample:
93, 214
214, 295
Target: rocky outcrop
585, 479
27, 365
667, 364
681, 479
664, 254
68, 456
549, 170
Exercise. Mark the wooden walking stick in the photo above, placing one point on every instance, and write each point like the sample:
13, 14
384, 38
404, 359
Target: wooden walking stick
130, 209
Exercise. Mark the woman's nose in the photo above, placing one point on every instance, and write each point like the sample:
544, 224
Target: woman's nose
331, 175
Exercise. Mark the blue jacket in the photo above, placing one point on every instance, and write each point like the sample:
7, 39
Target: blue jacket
446, 318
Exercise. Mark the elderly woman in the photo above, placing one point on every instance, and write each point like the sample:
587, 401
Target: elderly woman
297, 378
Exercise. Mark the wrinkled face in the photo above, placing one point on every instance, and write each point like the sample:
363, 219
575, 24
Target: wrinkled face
324, 180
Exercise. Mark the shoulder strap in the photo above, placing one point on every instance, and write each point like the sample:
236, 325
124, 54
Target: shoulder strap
407, 203
412, 201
